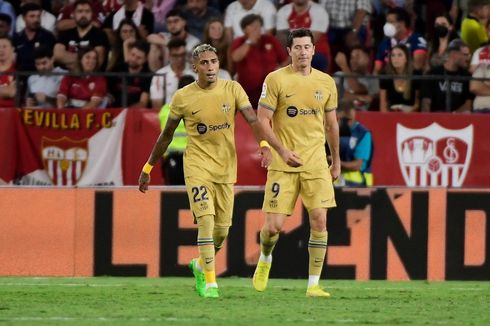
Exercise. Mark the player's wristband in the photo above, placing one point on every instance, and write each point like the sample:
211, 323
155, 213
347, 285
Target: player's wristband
147, 168
264, 143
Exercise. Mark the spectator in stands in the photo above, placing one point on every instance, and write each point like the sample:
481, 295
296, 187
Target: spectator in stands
214, 34
397, 31
480, 66
481, 55
84, 35
173, 160
358, 91
32, 36
306, 14
197, 13
481, 88
240, 8
137, 88
434, 92
135, 10
84, 91
160, 8
348, 18
48, 20
177, 28
42, 89
443, 34
8, 87
473, 27
8, 9
66, 18
356, 150
254, 55
126, 34
5, 24
399, 94
165, 82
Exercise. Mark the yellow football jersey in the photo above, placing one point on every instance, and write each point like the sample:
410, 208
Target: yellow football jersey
209, 117
299, 104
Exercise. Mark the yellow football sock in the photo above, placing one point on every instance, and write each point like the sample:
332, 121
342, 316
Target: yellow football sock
267, 243
205, 243
317, 247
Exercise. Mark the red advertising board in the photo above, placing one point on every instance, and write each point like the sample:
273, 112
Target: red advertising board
109, 147
429, 149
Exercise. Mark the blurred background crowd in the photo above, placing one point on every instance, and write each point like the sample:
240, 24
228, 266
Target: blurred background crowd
382, 52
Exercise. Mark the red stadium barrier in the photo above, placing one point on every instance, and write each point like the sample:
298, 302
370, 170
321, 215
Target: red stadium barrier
413, 150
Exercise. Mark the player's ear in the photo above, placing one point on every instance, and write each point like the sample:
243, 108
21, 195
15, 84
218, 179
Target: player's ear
194, 68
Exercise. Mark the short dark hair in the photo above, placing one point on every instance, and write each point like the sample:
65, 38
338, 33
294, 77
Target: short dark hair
175, 12
401, 15
140, 45
297, 33
82, 2
6, 37
176, 43
5, 18
362, 48
249, 19
30, 6
456, 45
42, 51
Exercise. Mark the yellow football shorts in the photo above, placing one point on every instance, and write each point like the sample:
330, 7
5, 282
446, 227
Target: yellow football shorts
209, 198
282, 190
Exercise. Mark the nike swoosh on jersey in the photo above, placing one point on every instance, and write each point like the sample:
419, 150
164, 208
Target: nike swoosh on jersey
289, 95
194, 112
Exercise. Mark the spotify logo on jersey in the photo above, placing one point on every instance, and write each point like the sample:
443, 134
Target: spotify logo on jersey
292, 111
201, 128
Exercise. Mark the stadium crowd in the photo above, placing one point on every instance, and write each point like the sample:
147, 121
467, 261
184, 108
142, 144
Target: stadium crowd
379, 50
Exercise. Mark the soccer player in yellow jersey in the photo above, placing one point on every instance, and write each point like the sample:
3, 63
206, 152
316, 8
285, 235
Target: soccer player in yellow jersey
208, 108
299, 102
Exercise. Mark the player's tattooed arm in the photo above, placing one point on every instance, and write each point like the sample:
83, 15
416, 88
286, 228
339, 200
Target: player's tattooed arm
264, 152
163, 140
159, 149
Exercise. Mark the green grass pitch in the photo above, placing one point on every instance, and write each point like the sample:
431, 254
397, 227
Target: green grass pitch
173, 301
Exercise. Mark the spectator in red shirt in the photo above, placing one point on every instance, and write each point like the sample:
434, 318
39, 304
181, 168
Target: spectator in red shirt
7, 65
83, 91
254, 55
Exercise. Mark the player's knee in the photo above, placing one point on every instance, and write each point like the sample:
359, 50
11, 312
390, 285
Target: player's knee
271, 230
219, 236
318, 220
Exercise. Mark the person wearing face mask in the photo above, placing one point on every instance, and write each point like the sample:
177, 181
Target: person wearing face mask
443, 34
356, 150
397, 31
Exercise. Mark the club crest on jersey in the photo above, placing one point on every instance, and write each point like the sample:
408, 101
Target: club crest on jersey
226, 108
64, 159
434, 155
318, 95
264, 91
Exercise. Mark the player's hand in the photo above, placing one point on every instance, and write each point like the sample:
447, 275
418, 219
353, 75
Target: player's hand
266, 157
335, 170
291, 158
144, 181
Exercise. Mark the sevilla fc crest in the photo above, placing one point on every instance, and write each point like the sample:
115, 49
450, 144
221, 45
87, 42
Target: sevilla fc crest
434, 156
64, 159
